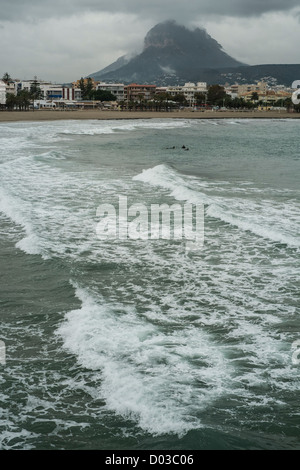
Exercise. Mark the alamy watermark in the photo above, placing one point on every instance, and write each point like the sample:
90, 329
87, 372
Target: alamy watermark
2, 353
159, 221
296, 353
296, 94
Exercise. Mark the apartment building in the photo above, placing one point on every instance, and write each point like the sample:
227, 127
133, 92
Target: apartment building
11, 88
71, 93
116, 89
189, 90
49, 91
2, 92
85, 81
237, 91
135, 92
270, 97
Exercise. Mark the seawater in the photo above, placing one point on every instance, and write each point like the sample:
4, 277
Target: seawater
139, 344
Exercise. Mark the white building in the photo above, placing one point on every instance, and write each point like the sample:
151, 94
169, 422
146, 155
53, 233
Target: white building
188, 90
11, 88
39, 104
49, 91
71, 93
24, 85
239, 90
2, 92
116, 89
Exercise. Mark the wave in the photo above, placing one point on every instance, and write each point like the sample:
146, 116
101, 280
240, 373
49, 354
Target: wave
156, 378
14, 210
51, 155
260, 218
112, 126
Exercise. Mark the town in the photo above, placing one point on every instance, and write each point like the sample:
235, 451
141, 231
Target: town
86, 93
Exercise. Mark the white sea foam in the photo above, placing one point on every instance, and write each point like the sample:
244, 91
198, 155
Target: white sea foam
177, 341
257, 217
112, 126
14, 209
159, 379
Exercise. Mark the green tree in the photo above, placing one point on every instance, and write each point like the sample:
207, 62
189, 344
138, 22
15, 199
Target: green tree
297, 108
11, 101
254, 96
82, 87
103, 95
180, 99
162, 101
35, 90
216, 94
87, 88
200, 98
288, 103
23, 100
6, 78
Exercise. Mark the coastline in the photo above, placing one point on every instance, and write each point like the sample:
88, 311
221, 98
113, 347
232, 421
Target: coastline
95, 114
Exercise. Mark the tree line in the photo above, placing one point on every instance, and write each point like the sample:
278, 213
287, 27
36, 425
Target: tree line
215, 97
89, 93
24, 98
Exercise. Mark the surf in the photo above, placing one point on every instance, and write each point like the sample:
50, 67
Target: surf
245, 214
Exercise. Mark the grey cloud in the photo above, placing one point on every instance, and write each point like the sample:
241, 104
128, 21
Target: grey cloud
24, 10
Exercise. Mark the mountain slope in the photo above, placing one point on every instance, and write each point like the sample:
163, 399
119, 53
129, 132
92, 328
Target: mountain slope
171, 50
173, 54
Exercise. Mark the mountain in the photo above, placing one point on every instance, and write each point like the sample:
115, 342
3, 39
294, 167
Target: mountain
173, 52
273, 74
120, 62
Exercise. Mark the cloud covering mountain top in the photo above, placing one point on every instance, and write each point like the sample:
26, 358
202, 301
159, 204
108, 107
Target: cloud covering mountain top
63, 40
18, 10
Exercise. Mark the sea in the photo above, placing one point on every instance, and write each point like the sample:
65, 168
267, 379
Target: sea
140, 343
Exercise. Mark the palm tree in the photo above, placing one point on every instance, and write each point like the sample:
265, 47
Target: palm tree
254, 96
6, 78
11, 101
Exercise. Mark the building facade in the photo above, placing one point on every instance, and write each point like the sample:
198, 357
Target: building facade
135, 92
189, 91
2, 93
240, 90
116, 89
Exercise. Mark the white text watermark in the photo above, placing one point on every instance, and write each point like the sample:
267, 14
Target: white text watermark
159, 221
2, 353
296, 94
296, 353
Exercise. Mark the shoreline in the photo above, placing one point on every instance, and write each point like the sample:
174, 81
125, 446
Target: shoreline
54, 115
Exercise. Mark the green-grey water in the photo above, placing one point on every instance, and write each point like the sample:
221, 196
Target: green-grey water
141, 344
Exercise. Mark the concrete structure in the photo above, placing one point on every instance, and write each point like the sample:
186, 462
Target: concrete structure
239, 90
41, 104
71, 93
11, 88
189, 90
135, 92
24, 85
51, 92
2, 93
85, 81
117, 89
174, 90
269, 98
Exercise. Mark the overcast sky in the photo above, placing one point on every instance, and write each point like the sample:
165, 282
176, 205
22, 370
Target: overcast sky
63, 40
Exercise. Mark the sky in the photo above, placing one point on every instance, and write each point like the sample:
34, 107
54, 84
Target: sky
63, 40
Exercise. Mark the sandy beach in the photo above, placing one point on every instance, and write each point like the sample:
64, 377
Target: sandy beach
51, 115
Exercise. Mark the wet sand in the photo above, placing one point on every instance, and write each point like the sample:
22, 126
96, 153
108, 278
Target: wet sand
52, 115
